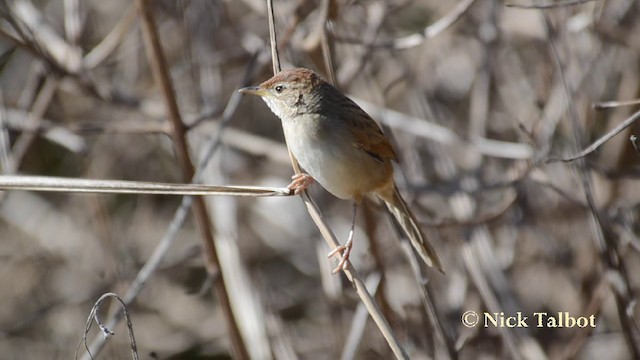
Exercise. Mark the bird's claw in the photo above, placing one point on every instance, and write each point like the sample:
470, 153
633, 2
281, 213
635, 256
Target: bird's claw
300, 183
345, 251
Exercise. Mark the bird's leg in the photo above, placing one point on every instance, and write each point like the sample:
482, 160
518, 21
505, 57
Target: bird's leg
300, 183
345, 250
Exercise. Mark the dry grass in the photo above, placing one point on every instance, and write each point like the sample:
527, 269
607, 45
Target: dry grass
482, 112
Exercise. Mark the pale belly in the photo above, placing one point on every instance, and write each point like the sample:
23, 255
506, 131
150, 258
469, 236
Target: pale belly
336, 164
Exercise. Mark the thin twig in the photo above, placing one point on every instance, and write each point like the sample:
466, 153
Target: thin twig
359, 320
106, 330
613, 104
596, 144
326, 232
356, 280
59, 184
275, 58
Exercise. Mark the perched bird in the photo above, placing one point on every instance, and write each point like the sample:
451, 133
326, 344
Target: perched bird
340, 146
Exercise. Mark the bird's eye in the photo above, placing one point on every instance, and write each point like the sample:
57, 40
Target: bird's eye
279, 88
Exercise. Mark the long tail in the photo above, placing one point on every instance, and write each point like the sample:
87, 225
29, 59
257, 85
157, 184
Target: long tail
396, 205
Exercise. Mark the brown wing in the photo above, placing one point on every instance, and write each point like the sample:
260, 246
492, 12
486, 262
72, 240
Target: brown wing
368, 137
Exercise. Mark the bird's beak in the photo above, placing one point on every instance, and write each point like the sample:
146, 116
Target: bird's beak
253, 90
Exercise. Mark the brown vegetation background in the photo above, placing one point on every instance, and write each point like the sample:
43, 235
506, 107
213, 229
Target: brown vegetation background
481, 114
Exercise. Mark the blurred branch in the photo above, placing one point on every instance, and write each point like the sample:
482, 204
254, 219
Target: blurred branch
478, 252
31, 20
110, 42
73, 23
436, 320
24, 25
414, 40
179, 217
443, 135
433, 316
353, 65
359, 321
555, 4
482, 219
594, 306
327, 50
434, 29
475, 271
604, 244
6, 162
162, 77
59, 184
19, 120
612, 104
40, 105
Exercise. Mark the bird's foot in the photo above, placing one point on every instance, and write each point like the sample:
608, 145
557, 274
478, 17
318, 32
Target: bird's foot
344, 251
300, 183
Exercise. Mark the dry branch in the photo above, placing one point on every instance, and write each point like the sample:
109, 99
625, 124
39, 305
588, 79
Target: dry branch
57, 184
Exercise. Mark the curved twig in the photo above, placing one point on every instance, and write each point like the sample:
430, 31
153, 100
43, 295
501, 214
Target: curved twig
596, 144
106, 332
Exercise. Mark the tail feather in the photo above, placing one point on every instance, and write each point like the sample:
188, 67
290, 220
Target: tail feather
400, 211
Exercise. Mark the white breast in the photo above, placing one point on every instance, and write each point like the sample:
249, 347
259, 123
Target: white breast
331, 159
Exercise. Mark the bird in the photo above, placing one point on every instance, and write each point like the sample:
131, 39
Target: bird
341, 147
